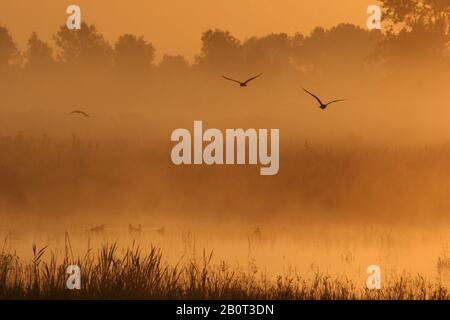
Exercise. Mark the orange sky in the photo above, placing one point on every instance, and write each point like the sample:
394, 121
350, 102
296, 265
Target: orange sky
175, 26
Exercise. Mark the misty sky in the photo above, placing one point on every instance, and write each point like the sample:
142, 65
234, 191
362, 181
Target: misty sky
175, 26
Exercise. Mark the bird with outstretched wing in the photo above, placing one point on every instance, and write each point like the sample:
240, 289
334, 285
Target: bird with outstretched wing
242, 83
323, 105
79, 112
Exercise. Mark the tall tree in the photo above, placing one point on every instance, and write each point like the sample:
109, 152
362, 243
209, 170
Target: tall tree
133, 54
38, 54
173, 63
8, 49
219, 49
85, 47
418, 31
271, 52
340, 49
425, 14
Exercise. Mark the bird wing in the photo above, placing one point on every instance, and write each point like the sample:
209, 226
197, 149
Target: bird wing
80, 112
232, 79
335, 101
253, 78
312, 94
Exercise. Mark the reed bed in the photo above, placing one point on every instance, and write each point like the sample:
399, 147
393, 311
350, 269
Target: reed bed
134, 273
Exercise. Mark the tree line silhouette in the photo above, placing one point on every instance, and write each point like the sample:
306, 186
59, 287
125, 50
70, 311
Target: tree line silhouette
421, 26
415, 37
85, 71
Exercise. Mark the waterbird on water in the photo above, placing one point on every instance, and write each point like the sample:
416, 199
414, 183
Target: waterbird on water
161, 231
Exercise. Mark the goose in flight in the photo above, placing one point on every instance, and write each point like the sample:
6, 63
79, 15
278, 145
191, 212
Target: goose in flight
323, 106
243, 84
79, 112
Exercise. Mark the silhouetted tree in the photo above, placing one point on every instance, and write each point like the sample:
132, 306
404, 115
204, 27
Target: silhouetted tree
8, 50
173, 69
85, 47
219, 50
343, 48
424, 14
133, 54
38, 54
418, 31
171, 63
272, 52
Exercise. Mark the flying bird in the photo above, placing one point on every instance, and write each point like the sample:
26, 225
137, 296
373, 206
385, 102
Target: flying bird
79, 112
243, 84
323, 106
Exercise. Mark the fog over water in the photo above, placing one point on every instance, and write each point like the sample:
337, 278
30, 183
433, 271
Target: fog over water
365, 181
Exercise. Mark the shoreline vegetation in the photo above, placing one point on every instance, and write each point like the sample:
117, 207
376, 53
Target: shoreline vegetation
134, 273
